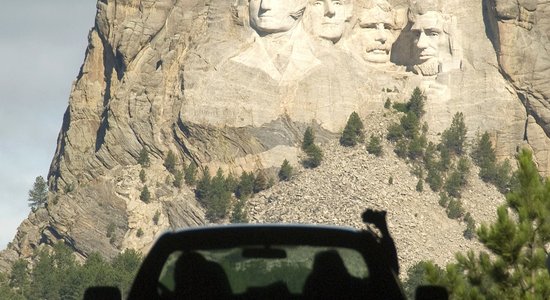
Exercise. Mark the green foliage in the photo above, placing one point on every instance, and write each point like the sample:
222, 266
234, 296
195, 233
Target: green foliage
387, 104
57, 275
517, 241
178, 179
145, 195
390, 180
416, 147
434, 179
401, 148
203, 185
416, 103
231, 183
410, 124
454, 137
374, 146
285, 172
416, 276
469, 232
110, 229
458, 178
170, 162
38, 195
399, 106
314, 157
218, 198
484, 155
239, 213
142, 176
260, 182
395, 132
143, 158
156, 217
190, 175
353, 132
454, 209
246, 185
139, 232
309, 139
444, 200
420, 185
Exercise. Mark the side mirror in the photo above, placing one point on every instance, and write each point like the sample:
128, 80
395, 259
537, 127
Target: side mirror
432, 292
102, 292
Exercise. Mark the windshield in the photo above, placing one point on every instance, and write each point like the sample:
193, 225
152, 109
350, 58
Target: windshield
291, 269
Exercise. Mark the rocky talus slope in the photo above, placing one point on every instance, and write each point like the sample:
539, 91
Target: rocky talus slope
350, 180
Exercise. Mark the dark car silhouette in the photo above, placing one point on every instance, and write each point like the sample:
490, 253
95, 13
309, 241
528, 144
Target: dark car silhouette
262, 261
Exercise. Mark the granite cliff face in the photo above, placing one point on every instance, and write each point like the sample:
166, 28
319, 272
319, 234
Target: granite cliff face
233, 84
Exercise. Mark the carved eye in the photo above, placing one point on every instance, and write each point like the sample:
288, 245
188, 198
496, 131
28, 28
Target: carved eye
369, 26
432, 33
388, 26
318, 3
336, 2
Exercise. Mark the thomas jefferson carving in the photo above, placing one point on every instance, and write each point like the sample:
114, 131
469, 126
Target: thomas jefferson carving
328, 18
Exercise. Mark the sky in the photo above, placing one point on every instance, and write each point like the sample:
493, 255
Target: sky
42, 46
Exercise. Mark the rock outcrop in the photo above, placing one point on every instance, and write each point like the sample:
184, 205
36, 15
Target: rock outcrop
221, 84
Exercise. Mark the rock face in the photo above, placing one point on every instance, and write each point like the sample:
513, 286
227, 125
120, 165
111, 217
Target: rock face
233, 85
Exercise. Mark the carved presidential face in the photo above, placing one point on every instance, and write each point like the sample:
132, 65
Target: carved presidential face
329, 17
376, 34
271, 16
429, 40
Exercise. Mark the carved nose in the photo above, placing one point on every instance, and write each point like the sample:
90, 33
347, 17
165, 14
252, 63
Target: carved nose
422, 41
329, 9
381, 34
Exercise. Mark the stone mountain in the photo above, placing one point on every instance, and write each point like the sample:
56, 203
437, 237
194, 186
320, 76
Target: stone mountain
233, 84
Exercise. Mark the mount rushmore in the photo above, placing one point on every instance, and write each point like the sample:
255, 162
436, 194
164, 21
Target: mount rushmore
233, 84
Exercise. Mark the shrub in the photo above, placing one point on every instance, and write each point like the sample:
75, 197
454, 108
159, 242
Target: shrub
390, 180
218, 198
260, 182
239, 213
454, 137
143, 158
142, 176
375, 146
190, 175
156, 218
245, 187
203, 185
110, 229
139, 233
444, 200
387, 104
353, 132
416, 147
420, 185
170, 162
145, 195
434, 179
178, 179
309, 138
454, 209
401, 148
314, 157
285, 172
469, 232
395, 132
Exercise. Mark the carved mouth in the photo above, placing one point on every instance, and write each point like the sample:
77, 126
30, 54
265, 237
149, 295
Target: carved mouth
379, 51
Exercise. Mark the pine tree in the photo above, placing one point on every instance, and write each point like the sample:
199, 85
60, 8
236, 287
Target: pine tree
285, 173
203, 185
239, 213
38, 195
374, 146
143, 158
145, 195
454, 137
170, 162
353, 132
178, 179
517, 241
416, 103
218, 197
245, 187
309, 138
260, 182
314, 157
142, 176
190, 175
